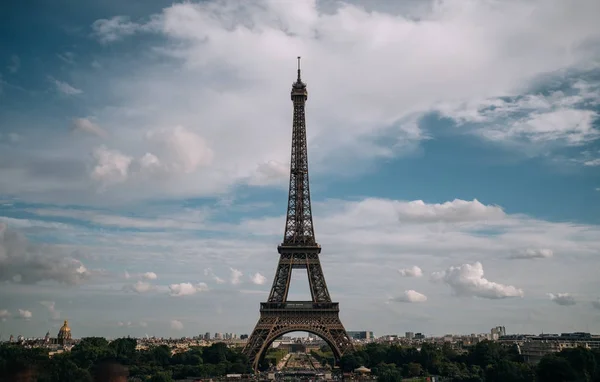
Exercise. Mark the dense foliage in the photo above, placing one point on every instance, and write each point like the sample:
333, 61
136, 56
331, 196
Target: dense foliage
153, 364
487, 361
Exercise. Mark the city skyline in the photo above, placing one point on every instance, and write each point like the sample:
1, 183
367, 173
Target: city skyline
453, 150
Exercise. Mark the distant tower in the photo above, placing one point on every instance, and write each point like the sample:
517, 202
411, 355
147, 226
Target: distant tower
64, 334
47, 337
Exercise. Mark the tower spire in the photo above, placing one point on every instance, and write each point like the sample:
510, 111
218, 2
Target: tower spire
299, 225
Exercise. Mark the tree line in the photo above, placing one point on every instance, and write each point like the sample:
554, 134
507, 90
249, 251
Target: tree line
155, 364
485, 362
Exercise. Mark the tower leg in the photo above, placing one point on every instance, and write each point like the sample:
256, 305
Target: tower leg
270, 327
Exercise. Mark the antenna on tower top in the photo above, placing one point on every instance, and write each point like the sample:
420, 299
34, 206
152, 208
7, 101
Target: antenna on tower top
298, 68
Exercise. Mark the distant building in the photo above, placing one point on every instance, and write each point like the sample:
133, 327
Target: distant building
207, 336
497, 332
64, 334
409, 335
533, 348
419, 336
360, 335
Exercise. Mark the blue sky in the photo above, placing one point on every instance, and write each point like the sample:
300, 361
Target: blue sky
453, 146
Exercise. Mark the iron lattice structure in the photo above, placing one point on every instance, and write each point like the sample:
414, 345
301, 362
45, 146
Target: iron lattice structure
299, 250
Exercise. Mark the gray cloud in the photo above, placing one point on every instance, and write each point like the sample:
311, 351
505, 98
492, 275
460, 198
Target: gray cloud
51, 306
564, 299
532, 254
27, 263
24, 314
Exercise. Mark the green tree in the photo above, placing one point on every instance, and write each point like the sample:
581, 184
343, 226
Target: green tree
582, 361
349, 362
509, 371
124, 349
215, 353
553, 368
160, 355
62, 369
387, 372
161, 376
414, 369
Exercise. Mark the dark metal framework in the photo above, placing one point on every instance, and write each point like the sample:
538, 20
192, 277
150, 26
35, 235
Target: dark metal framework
299, 249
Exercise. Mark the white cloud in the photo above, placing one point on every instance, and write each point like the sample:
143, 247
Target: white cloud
564, 299
361, 240
4, 314
176, 325
417, 211
236, 276
187, 289
178, 151
127, 275
592, 162
181, 149
258, 279
209, 272
25, 314
222, 57
130, 324
572, 125
456, 210
534, 118
86, 126
139, 287
51, 306
467, 280
149, 276
115, 28
190, 219
413, 271
410, 296
269, 173
64, 87
543, 253
111, 166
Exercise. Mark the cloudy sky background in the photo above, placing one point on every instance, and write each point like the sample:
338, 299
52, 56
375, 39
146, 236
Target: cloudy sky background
454, 155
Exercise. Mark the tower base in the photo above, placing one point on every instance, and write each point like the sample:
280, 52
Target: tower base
277, 319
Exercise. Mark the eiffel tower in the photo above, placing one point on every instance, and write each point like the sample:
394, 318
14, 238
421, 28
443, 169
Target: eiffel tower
299, 250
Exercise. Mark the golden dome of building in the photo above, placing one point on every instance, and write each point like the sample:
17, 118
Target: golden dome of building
64, 334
